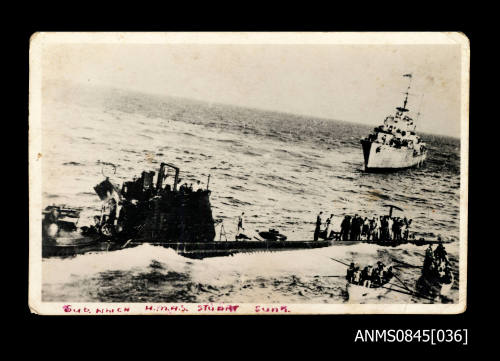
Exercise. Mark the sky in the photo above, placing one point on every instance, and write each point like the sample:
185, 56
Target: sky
356, 83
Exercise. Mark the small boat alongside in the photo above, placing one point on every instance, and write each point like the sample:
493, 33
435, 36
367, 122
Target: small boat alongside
367, 284
374, 283
61, 236
437, 278
361, 294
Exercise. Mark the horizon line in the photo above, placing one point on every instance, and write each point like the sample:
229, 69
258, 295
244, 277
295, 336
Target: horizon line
262, 109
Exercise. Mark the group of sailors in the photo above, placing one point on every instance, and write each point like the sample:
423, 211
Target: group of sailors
394, 136
187, 189
370, 276
357, 228
397, 141
383, 228
437, 265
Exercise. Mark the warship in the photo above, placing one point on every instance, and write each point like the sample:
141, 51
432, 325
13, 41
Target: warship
158, 213
394, 144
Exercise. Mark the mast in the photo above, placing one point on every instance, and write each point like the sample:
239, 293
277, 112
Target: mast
407, 90
403, 108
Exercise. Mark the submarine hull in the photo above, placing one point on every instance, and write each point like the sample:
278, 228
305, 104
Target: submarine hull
186, 249
228, 248
416, 242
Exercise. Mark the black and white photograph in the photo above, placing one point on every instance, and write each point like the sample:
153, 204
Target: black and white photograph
248, 173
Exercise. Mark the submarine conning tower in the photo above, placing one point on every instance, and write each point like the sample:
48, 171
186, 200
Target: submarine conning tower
164, 212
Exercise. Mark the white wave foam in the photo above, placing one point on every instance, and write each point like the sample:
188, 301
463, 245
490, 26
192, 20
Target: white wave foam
56, 270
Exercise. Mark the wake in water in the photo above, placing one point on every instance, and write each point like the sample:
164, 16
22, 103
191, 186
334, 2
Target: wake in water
156, 274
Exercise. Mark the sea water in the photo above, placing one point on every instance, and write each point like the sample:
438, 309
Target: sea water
280, 169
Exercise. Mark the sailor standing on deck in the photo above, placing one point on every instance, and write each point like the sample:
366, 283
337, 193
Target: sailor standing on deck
352, 233
366, 229
328, 224
356, 225
240, 223
390, 223
318, 226
373, 230
344, 228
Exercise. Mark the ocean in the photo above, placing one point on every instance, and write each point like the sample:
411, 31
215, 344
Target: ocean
280, 169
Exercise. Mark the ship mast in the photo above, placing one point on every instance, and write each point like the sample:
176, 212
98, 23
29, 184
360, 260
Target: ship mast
403, 108
407, 91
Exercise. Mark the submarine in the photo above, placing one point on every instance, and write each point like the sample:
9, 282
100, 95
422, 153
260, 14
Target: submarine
160, 213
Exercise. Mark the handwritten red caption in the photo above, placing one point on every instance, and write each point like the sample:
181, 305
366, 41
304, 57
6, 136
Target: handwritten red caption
206, 308
167, 309
221, 308
271, 309
96, 311
201, 308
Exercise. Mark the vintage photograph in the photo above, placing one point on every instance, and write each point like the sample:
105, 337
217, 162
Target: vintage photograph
248, 173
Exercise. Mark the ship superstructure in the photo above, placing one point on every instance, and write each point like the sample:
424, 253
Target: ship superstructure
162, 213
394, 144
